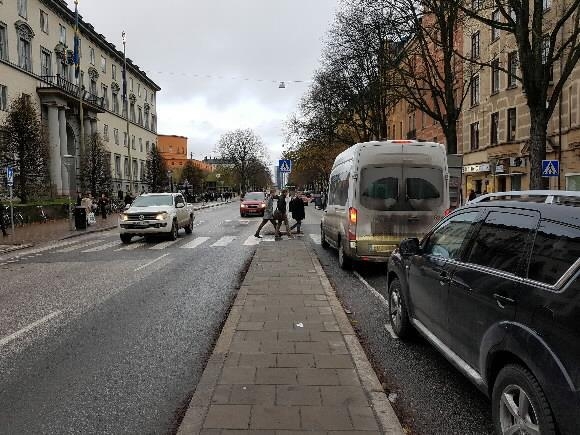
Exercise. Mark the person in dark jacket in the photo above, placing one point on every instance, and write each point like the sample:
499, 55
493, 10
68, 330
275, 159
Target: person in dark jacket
102, 205
296, 207
2, 223
128, 198
281, 216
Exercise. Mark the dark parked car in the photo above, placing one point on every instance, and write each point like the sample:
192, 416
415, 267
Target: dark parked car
495, 286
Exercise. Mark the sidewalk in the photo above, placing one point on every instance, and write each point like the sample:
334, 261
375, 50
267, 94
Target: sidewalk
31, 234
287, 360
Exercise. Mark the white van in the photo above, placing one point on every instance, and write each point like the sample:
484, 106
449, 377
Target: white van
382, 192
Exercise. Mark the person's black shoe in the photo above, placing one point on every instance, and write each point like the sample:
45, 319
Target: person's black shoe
258, 236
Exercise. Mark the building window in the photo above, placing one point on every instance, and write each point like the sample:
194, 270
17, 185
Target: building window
126, 167
24, 54
116, 135
3, 42
511, 124
93, 87
103, 64
512, 69
124, 138
147, 146
131, 83
494, 139
45, 62
140, 114
139, 89
92, 55
3, 98
573, 182
106, 132
146, 94
154, 123
476, 5
547, 4
140, 144
475, 91
62, 33
105, 94
495, 76
475, 45
132, 112
43, 21
147, 120
496, 17
23, 8
133, 142
152, 97
114, 71
116, 102
474, 135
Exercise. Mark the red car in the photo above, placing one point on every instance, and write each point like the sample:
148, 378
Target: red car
253, 204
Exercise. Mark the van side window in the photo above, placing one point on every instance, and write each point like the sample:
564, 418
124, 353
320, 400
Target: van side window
556, 248
338, 192
502, 241
446, 241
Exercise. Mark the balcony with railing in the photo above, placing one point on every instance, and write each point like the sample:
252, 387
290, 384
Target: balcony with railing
51, 85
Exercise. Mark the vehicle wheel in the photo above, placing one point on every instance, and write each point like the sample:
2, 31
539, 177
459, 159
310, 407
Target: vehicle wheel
323, 241
398, 311
126, 238
519, 404
242, 215
343, 261
189, 227
174, 230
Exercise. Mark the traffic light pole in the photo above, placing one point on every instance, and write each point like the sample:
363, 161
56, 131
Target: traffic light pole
11, 210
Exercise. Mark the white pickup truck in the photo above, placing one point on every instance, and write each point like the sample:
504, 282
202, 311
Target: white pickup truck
156, 213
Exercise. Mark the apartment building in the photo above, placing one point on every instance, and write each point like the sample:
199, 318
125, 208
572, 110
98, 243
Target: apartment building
496, 119
173, 149
36, 47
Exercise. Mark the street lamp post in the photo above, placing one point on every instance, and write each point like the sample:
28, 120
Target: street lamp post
127, 112
69, 162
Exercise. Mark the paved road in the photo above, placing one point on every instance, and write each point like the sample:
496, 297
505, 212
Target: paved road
100, 337
430, 396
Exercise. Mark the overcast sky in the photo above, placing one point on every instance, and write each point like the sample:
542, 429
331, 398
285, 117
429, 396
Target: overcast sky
251, 40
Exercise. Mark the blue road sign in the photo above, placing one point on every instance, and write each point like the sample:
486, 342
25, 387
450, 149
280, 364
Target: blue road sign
550, 168
285, 165
10, 176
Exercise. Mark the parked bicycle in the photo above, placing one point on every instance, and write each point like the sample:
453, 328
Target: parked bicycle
18, 218
43, 218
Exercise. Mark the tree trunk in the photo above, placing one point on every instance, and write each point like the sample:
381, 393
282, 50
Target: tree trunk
537, 150
451, 138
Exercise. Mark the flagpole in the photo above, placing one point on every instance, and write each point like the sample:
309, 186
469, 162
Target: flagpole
127, 113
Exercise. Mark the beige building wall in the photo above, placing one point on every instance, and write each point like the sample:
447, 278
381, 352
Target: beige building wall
53, 87
511, 154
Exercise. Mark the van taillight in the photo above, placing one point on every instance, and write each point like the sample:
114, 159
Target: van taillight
352, 214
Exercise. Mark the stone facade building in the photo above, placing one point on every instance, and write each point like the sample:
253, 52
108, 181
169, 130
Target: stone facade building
36, 47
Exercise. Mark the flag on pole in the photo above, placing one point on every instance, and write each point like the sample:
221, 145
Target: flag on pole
124, 71
77, 42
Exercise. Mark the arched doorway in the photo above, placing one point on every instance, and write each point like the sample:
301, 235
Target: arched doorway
71, 149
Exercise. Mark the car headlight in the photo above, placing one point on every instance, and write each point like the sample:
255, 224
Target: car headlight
162, 216
124, 216
263, 205
243, 205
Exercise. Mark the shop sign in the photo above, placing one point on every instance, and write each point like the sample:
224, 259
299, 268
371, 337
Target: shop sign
469, 169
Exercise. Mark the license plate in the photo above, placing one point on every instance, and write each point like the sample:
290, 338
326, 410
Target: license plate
381, 248
142, 224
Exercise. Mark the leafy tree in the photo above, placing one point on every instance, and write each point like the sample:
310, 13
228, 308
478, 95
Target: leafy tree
25, 148
260, 175
241, 147
193, 175
95, 170
156, 171
548, 47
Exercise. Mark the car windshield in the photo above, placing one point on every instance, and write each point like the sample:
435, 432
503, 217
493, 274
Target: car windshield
254, 196
154, 200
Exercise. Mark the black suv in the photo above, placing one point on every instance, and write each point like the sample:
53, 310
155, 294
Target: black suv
495, 286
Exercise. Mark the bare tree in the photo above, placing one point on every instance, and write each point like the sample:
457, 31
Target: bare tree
240, 147
547, 41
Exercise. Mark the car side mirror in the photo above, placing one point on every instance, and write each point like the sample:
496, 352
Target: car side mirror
179, 205
409, 247
127, 206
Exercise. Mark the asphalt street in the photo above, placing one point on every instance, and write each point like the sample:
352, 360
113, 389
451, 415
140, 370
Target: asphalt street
428, 394
98, 337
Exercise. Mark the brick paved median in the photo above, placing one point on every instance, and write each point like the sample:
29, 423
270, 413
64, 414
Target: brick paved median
287, 360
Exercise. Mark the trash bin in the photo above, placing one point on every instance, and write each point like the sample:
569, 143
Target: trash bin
80, 218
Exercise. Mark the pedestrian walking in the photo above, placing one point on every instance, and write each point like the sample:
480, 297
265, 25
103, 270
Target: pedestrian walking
128, 198
102, 205
296, 207
268, 214
281, 216
79, 199
2, 222
472, 195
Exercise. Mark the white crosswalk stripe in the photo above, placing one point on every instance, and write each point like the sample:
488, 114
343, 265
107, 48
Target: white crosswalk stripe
225, 241
163, 245
315, 238
80, 245
195, 242
252, 241
102, 247
244, 222
131, 247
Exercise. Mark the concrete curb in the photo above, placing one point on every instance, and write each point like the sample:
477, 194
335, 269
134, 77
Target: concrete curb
97, 230
17, 247
382, 408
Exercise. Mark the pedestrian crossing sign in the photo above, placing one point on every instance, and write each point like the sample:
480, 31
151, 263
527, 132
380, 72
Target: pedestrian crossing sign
285, 165
550, 168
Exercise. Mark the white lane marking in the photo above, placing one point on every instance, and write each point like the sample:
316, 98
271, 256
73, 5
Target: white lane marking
163, 245
315, 238
381, 299
244, 222
102, 247
24, 330
225, 241
80, 245
228, 220
268, 239
131, 246
195, 242
151, 262
252, 241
